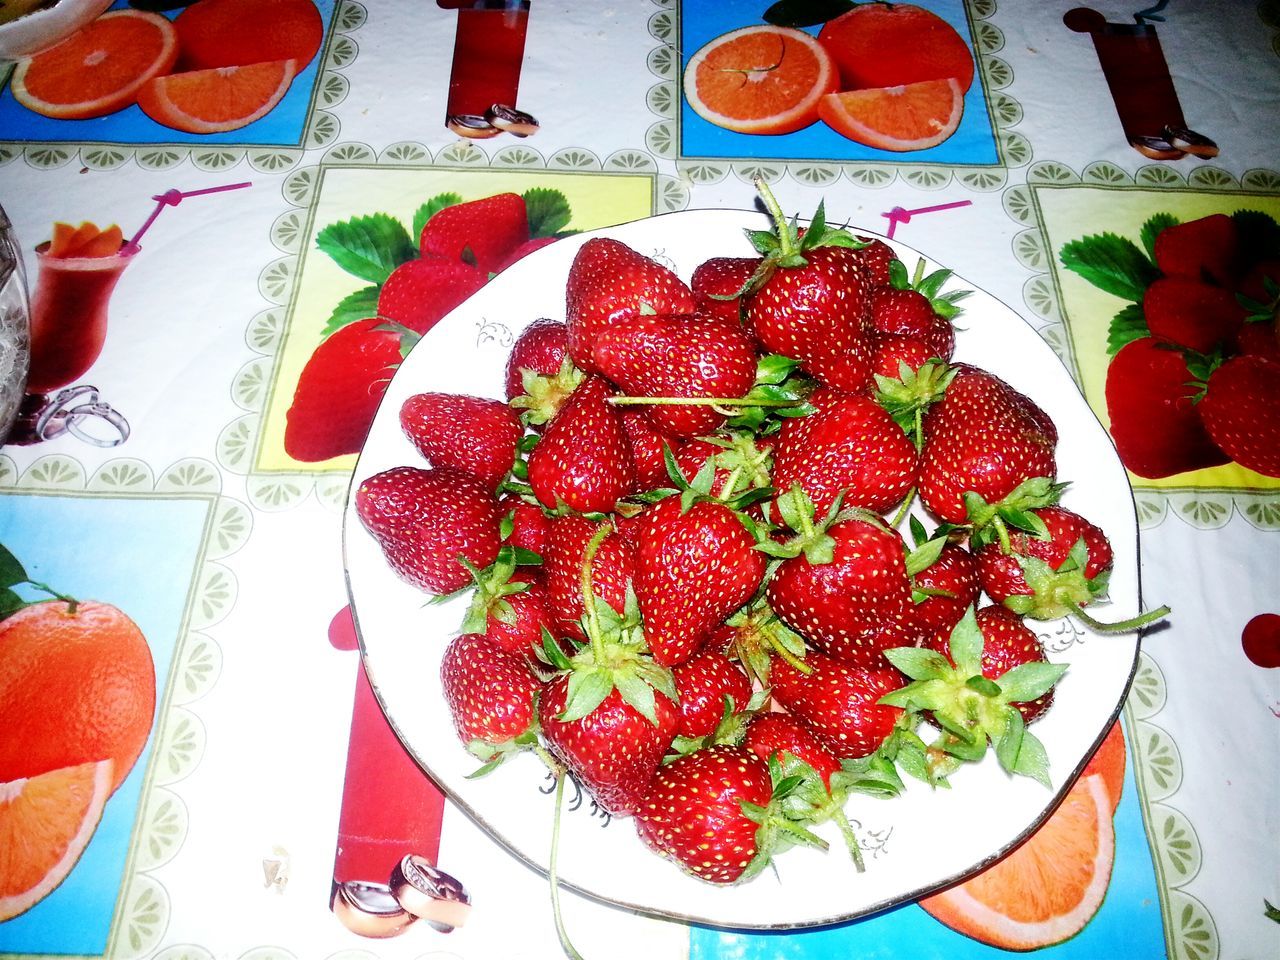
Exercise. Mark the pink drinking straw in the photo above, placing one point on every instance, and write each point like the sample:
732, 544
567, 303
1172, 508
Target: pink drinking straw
898, 215
171, 198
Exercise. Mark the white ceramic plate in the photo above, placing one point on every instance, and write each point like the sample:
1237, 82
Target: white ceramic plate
913, 844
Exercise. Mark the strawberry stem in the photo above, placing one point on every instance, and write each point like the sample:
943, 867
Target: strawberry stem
588, 597
701, 401
902, 510
553, 873
786, 237
1124, 626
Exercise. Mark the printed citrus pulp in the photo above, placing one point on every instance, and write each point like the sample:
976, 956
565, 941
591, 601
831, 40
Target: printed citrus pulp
99, 69
913, 116
761, 79
236, 33
889, 44
45, 823
218, 99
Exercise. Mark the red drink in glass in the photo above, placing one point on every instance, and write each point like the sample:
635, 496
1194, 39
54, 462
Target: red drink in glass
69, 315
488, 50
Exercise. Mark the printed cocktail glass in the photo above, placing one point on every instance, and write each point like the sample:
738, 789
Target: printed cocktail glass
69, 314
488, 50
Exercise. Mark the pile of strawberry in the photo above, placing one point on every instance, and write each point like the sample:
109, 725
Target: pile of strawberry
686, 590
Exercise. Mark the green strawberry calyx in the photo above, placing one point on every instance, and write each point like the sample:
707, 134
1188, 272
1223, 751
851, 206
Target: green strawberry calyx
944, 305
545, 394
912, 392
989, 522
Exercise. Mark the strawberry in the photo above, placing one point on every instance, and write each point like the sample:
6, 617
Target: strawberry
703, 682
612, 570
983, 437
721, 277
876, 258
944, 589
1207, 248
1241, 412
484, 233
672, 356
740, 463
909, 313
608, 282
1261, 339
850, 445
525, 524
424, 520
419, 293
473, 434
1191, 313
694, 567
541, 348
648, 441
1156, 428
340, 387
491, 694
583, 461
768, 734
509, 606
892, 350
522, 251
838, 702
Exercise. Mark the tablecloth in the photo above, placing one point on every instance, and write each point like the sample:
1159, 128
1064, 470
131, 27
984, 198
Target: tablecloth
182, 505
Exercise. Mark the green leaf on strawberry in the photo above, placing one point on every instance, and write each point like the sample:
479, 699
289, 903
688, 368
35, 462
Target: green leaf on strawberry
354, 306
1127, 325
431, 208
368, 247
1111, 263
548, 211
1152, 228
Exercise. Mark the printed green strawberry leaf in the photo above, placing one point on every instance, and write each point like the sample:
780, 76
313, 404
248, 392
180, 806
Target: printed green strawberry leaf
368, 247
1129, 324
354, 306
548, 211
431, 208
1258, 232
1151, 229
1111, 263
806, 13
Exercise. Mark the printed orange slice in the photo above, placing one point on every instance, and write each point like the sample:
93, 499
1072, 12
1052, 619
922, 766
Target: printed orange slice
218, 99
914, 116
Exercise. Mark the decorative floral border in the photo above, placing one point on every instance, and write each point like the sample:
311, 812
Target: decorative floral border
322, 126
237, 443
142, 912
996, 75
1203, 508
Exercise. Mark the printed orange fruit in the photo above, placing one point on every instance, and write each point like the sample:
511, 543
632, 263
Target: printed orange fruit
45, 823
911, 117
236, 33
1048, 888
219, 99
99, 69
889, 44
760, 79
1108, 762
77, 684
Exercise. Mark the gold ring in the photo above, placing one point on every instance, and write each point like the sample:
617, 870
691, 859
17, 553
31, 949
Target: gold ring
368, 909
430, 894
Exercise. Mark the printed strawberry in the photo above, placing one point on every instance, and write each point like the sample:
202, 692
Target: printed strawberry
1207, 248
583, 461
647, 447
703, 683
984, 437
982, 688
877, 258
1191, 313
849, 446
608, 282
473, 434
612, 570
522, 251
1261, 339
695, 565
1240, 410
1155, 425
424, 520
540, 348
491, 694
524, 525
663, 358
482, 233
340, 387
717, 284
839, 703
419, 293
509, 605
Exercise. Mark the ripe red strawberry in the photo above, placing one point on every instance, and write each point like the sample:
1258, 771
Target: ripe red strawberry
530, 526
703, 682
614, 751
522, 251
850, 445
675, 356
509, 606
693, 569
484, 233
419, 293
607, 284
612, 570
1156, 428
946, 588
1191, 313
984, 437
647, 442
1207, 248
473, 434
909, 313
340, 387
839, 702
721, 277
894, 349
540, 348
876, 257
425, 519
696, 813
742, 462
584, 459
771, 733
852, 600
491, 695
1241, 412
